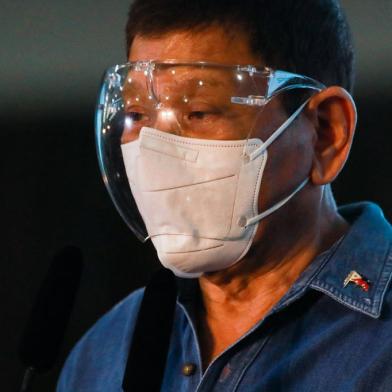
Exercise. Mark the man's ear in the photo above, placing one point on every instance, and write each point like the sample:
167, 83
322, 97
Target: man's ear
334, 116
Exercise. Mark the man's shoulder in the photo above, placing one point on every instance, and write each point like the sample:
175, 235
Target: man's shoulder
103, 349
117, 321
366, 212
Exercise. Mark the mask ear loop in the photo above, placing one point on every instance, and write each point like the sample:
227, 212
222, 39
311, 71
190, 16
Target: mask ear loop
275, 207
260, 150
278, 132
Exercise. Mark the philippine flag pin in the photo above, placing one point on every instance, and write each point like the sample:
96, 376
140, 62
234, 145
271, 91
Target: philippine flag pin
357, 279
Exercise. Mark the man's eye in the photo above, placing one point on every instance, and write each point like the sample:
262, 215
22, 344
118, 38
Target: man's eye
196, 115
199, 115
135, 116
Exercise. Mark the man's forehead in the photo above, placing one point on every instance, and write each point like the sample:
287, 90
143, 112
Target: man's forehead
212, 44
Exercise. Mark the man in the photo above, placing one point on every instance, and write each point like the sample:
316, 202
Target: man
219, 141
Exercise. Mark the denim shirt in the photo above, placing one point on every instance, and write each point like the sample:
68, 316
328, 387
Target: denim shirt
321, 336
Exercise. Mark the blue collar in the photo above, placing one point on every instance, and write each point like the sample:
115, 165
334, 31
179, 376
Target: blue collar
366, 250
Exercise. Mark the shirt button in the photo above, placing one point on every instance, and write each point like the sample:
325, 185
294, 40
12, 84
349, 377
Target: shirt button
188, 369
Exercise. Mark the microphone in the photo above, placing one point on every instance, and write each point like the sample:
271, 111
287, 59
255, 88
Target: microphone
45, 329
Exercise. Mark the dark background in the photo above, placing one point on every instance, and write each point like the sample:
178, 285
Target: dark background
52, 57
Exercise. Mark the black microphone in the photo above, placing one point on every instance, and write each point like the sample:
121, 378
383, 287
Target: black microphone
45, 329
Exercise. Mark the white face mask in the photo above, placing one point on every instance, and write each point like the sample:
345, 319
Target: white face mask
199, 198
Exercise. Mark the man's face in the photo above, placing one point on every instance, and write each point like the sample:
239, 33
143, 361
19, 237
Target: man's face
290, 157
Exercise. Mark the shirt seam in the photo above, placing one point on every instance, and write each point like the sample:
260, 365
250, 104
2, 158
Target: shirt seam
244, 370
384, 281
198, 351
336, 295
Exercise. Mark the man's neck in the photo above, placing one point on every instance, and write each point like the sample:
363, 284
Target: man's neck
235, 299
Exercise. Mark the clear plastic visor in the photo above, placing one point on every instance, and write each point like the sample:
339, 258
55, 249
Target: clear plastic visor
193, 100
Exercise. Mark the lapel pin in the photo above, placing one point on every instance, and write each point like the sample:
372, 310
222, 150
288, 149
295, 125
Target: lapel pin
357, 279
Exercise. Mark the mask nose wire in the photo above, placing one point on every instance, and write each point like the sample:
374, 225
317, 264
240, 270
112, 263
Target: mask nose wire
255, 154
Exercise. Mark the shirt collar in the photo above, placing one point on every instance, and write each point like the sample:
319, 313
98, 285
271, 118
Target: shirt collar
365, 250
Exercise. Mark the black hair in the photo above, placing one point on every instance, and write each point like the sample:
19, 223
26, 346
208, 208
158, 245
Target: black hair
309, 37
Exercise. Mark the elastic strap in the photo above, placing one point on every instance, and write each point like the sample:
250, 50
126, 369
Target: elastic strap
150, 343
276, 206
278, 132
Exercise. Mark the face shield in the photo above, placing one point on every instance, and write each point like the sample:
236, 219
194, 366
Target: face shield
192, 101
